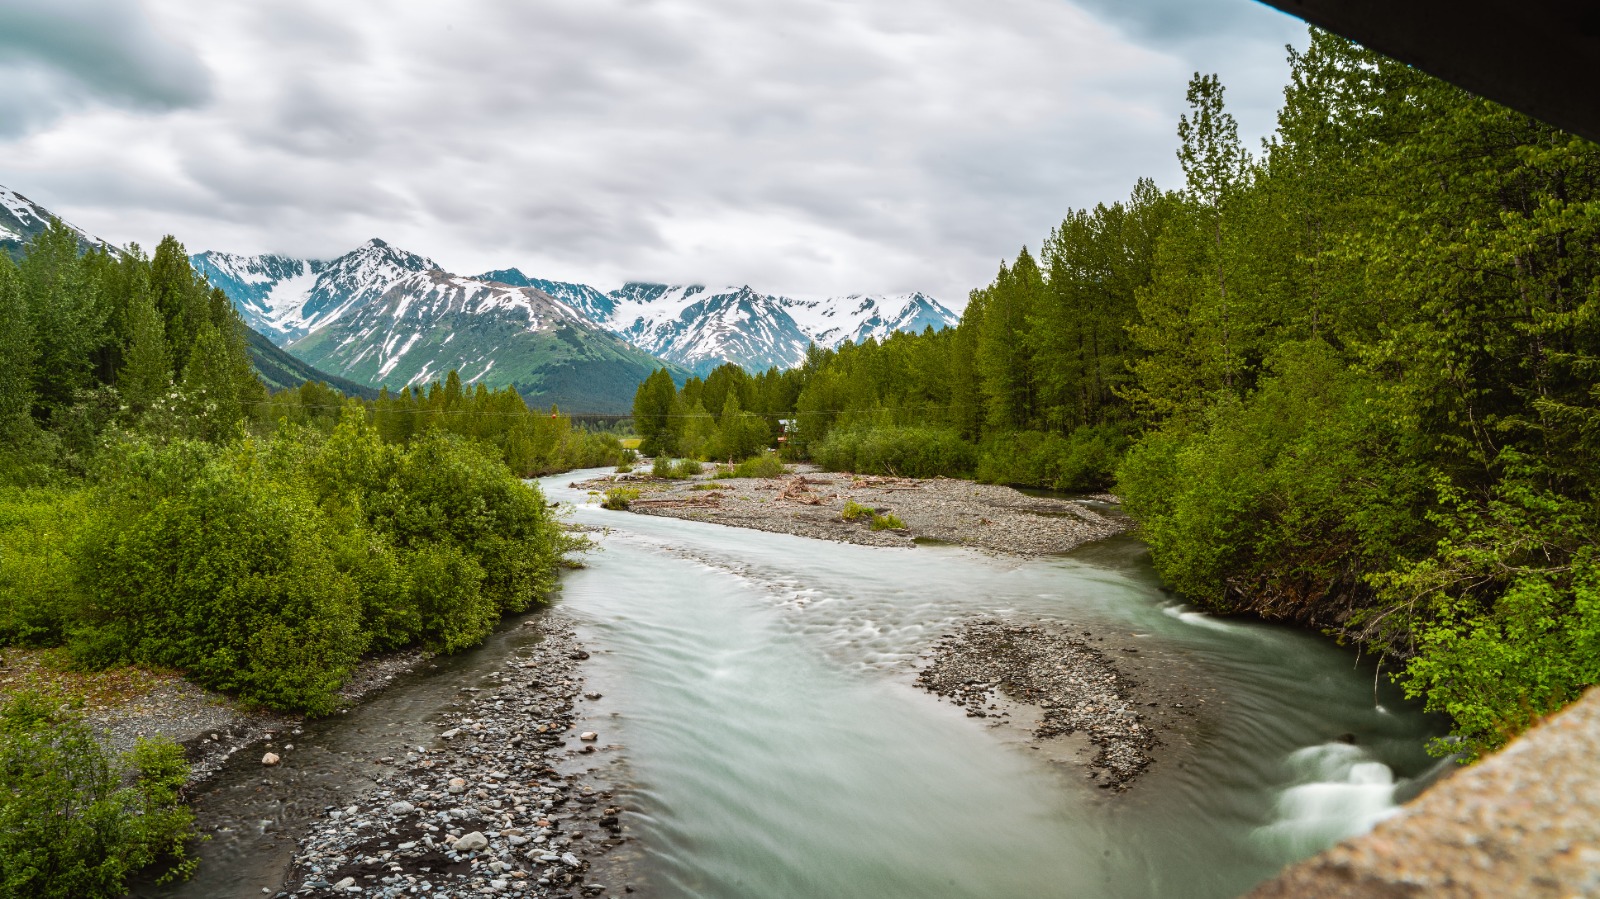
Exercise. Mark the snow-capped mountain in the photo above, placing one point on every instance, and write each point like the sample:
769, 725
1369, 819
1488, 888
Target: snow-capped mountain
21, 219
855, 318
701, 328
289, 298
598, 306
381, 316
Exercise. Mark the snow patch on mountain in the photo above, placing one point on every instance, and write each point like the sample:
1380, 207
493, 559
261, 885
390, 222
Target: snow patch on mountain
21, 219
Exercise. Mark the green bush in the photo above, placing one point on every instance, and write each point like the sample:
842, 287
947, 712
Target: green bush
766, 465
38, 592
888, 521
675, 469
74, 824
1086, 459
854, 510
618, 498
195, 559
268, 568
913, 452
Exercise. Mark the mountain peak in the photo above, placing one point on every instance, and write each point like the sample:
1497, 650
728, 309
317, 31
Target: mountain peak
512, 276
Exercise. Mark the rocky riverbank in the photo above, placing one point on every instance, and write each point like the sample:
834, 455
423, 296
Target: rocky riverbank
1052, 683
485, 809
809, 503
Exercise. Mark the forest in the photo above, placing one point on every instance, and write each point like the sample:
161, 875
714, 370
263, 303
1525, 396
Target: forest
159, 507
1346, 379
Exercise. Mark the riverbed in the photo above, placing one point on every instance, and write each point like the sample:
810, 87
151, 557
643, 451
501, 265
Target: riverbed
762, 687
760, 722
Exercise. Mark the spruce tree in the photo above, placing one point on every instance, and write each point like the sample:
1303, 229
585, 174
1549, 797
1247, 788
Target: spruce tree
147, 371
17, 353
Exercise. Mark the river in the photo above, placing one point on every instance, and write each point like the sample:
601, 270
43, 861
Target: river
758, 690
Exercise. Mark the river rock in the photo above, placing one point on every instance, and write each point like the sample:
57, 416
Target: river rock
401, 808
269, 759
472, 842
589, 736
457, 785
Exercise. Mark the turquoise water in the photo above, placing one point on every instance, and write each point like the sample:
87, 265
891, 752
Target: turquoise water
760, 686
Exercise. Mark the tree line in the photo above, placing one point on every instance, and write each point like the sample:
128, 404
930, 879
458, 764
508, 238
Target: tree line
1347, 379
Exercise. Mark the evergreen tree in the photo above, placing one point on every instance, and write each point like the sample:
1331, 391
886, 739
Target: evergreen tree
147, 372
17, 353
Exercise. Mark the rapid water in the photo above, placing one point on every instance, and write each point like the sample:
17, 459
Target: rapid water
761, 686
772, 745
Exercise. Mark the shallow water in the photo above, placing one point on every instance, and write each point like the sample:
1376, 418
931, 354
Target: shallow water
759, 688
761, 685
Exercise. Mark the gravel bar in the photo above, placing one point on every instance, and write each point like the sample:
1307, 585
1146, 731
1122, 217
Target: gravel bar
1075, 687
808, 503
485, 811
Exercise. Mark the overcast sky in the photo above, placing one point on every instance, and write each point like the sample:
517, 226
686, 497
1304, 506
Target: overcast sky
808, 147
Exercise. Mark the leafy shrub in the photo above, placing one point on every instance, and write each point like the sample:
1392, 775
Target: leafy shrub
888, 521
195, 559
1086, 459
618, 498
268, 568
625, 468
854, 510
674, 469
914, 452
69, 828
766, 465
38, 593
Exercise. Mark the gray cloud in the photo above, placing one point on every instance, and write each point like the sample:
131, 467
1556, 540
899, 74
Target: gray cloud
810, 147
57, 56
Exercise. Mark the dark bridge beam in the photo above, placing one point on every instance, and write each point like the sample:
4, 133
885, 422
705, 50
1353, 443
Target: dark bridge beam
1541, 57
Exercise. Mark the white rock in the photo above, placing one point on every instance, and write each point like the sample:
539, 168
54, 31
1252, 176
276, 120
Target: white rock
589, 736
401, 808
472, 842
569, 860
345, 884
269, 759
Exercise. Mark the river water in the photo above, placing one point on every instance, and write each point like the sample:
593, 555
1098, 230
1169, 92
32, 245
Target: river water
760, 689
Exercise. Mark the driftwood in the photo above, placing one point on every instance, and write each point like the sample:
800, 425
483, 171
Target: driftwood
795, 491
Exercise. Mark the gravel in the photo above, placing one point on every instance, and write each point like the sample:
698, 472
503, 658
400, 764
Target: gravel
484, 811
808, 504
1074, 686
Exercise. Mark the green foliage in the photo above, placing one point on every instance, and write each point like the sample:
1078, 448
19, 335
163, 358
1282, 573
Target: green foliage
888, 521
914, 452
618, 498
69, 826
765, 465
1085, 459
854, 510
39, 595
198, 559
674, 469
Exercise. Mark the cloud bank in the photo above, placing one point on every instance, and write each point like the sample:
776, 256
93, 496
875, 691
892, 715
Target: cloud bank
812, 147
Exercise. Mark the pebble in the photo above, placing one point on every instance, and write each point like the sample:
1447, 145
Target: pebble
1075, 685
269, 759
483, 812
